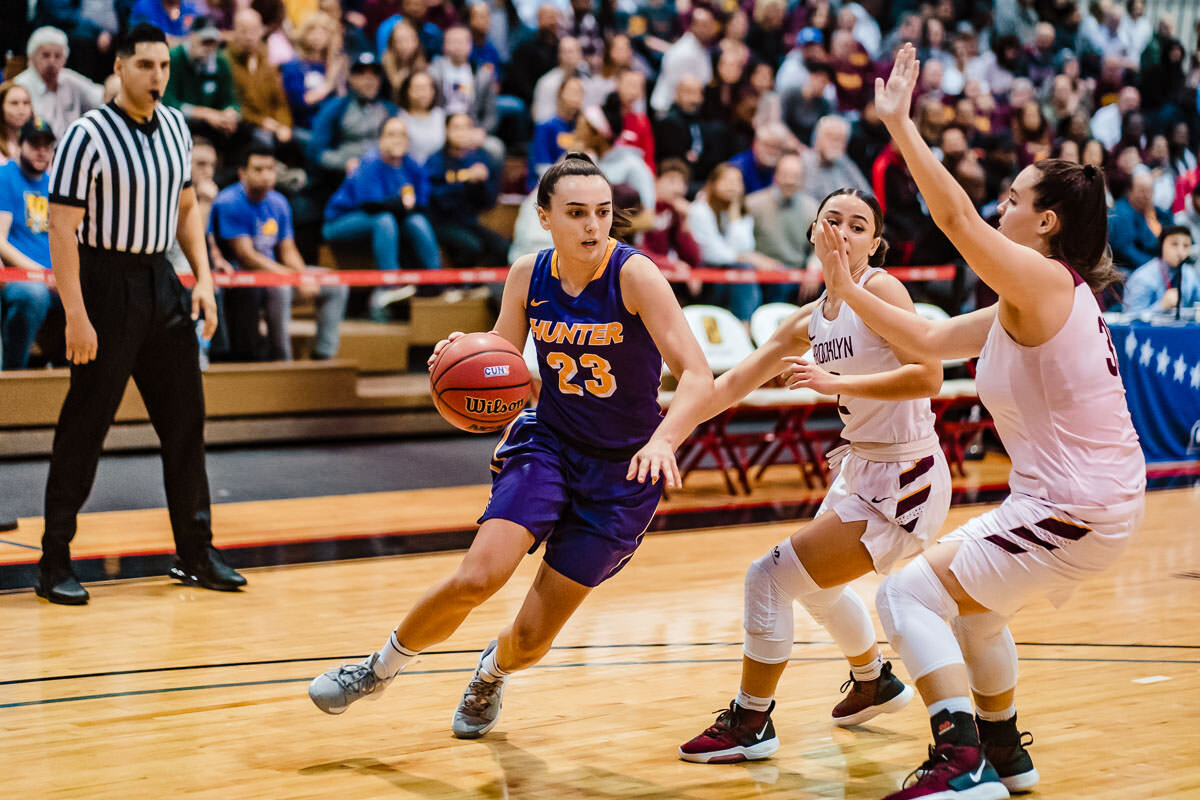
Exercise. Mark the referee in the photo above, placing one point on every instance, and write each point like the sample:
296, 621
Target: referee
120, 192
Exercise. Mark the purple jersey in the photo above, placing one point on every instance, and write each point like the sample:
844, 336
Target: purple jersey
600, 369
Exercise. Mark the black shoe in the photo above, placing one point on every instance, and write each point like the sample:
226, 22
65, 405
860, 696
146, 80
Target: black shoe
1005, 747
868, 699
62, 588
210, 572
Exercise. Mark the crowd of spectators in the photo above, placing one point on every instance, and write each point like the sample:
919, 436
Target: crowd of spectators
392, 125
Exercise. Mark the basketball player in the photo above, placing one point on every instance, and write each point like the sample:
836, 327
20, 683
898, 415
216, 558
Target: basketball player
888, 501
1047, 372
601, 314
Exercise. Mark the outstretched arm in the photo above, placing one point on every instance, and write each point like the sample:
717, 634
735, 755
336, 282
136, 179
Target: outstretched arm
1021, 276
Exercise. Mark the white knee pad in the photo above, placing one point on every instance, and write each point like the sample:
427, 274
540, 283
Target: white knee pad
777, 578
914, 608
990, 653
767, 615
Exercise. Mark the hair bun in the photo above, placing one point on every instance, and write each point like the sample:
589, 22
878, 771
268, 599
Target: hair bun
577, 155
1090, 171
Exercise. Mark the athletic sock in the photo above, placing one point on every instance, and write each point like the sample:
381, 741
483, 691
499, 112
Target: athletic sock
953, 722
489, 671
870, 671
393, 658
749, 702
1005, 715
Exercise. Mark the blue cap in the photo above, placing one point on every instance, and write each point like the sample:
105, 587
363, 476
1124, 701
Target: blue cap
811, 35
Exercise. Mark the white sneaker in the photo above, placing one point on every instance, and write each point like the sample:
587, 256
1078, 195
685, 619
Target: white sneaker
335, 690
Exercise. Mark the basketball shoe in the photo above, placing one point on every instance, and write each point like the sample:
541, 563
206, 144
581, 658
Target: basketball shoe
335, 690
479, 709
1005, 747
737, 735
952, 772
869, 699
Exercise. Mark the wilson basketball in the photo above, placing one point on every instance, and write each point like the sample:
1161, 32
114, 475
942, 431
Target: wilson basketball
479, 382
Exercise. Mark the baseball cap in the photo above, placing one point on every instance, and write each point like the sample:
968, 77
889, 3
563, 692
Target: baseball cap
366, 60
205, 29
811, 35
36, 128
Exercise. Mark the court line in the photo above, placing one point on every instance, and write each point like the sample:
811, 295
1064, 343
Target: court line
19, 544
611, 646
665, 662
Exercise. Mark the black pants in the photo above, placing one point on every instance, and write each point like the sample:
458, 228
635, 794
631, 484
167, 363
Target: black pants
142, 317
469, 243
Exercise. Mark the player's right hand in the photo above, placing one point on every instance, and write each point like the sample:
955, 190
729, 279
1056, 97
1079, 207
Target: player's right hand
440, 346
82, 343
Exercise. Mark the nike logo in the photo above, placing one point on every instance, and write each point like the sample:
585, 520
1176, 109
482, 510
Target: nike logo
537, 302
878, 499
764, 729
977, 775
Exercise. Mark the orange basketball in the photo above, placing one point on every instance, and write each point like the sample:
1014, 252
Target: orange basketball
479, 382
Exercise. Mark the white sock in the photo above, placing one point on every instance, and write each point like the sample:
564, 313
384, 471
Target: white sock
393, 658
951, 704
752, 703
489, 670
868, 672
998, 716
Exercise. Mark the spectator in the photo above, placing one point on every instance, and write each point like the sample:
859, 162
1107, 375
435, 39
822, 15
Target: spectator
402, 57
782, 215
652, 28
347, 127
274, 16
725, 233
997, 68
669, 242
259, 87
570, 62
25, 239
687, 56
868, 137
421, 108
797, 64
908, 29
1031, 133
637, 130
16, 109
1135, 224
757, 164
252, 224
728, 80
554, 137
467, 90
826, 165
1015, 18
201, 85
766, 39
535, 56
684, 134
463, 185
853, 71
1064, 101
415, 12
1106, 122
483, 49
805, 105
60, 95
172, 17
598, 132
318, 70
618, 57
384, 201
1168, 279
1040, 62
91, 26
584, 27
1189, 217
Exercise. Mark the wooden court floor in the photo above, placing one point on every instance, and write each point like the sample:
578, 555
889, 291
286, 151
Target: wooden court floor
156, 690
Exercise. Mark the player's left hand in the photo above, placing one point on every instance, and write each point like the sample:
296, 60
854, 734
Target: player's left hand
802, 374
655, 459
203, 299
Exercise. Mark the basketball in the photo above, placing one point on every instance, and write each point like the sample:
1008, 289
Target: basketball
479, 382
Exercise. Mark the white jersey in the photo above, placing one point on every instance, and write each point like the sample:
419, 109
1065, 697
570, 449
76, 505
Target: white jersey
846, 346
1060, 411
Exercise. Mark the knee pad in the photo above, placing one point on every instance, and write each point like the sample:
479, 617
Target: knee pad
989, 651
768, 617
914, 608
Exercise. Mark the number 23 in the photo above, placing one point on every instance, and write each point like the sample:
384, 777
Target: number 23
601, 384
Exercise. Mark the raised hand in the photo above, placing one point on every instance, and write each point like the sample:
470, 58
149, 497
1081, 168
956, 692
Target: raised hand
893, 100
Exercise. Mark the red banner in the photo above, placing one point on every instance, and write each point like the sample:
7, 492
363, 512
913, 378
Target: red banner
406, 277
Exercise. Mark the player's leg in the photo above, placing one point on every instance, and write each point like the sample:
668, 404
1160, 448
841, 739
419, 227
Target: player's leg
813, 567
551, 601
495, 553
916, 606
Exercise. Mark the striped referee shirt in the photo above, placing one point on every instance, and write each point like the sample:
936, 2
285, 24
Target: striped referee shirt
126, 175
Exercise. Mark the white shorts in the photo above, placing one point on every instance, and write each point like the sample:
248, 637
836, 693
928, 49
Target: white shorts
1030, 548
904, 503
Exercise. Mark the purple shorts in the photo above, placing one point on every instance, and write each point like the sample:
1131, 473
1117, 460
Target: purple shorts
591, 518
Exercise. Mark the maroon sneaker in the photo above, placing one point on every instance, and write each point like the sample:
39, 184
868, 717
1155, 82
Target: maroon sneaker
953, 772
737, 735
869, 699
